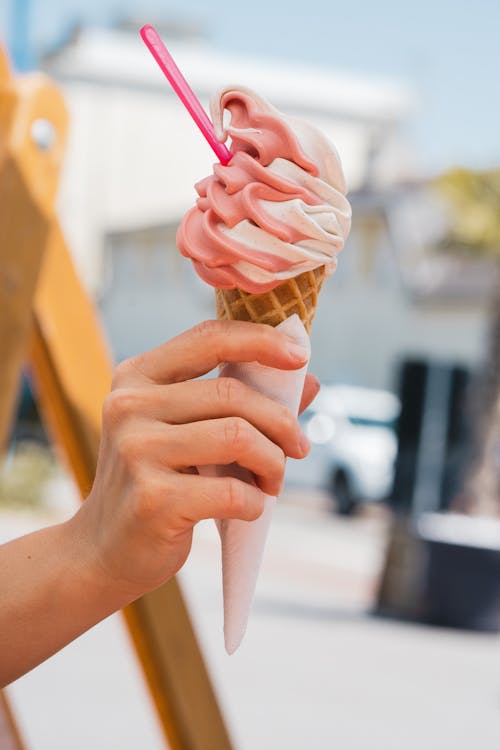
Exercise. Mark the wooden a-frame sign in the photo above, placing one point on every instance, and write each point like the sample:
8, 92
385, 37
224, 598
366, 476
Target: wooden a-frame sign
48, 322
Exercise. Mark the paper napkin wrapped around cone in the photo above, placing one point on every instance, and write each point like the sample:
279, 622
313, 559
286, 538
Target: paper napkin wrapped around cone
243, 542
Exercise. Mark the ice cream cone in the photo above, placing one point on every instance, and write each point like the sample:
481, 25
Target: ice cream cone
298, 295
277, 206
243, 543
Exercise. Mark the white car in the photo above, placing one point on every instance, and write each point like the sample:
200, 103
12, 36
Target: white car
356, 428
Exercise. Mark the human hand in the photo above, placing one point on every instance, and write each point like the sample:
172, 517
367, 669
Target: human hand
159, 422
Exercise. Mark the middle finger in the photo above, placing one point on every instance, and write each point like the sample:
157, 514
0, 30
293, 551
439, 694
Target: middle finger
198, 400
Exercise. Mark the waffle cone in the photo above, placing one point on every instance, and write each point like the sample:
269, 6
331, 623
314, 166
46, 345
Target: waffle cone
294, 296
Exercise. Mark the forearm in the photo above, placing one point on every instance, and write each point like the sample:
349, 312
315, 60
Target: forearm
51, 591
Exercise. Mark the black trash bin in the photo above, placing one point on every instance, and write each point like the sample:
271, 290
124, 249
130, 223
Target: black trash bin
462, 588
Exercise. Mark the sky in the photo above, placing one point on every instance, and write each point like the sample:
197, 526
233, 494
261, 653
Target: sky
447, 51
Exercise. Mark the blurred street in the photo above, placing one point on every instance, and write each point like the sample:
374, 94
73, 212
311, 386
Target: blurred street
313, 671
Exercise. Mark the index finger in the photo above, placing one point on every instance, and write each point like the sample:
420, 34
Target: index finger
208, 344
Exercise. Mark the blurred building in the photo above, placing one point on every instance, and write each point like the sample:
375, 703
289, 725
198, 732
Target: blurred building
394, 297
134, 155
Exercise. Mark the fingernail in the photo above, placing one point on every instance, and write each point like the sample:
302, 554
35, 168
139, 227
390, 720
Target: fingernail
305, 445
296, 351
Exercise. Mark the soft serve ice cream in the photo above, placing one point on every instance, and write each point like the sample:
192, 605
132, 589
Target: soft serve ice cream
276, 210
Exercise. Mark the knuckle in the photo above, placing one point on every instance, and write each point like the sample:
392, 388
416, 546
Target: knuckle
118, 405
206, 328
129, 449
282, 460
215, 332
120, 373
228, 390
287, 421
236, 434
279, 464
270, 335
282, 468
235, 496
146, 502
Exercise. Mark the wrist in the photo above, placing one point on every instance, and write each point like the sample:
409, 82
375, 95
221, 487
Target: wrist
98, 587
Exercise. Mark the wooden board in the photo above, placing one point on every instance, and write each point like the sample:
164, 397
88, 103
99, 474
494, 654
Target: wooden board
26, 213
39, 287
24, 228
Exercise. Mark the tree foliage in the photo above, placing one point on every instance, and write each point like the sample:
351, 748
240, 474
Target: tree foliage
474, 202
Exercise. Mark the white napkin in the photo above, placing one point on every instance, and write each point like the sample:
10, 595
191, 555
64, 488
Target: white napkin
243, 541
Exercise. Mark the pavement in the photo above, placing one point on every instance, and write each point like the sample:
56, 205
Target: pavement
315, 671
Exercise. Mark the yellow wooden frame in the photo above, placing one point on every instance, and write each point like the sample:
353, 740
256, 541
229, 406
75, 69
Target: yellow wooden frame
47, 319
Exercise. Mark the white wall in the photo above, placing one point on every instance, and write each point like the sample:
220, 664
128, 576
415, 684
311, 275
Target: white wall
365, 325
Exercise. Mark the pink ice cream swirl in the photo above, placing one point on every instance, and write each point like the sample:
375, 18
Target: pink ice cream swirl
276, 210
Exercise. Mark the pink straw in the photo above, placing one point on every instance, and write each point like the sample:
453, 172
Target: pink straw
184, 91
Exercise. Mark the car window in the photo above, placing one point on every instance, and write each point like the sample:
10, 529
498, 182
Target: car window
365, 422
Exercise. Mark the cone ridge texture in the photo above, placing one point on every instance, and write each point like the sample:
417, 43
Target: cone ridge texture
294, 296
